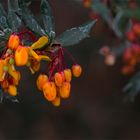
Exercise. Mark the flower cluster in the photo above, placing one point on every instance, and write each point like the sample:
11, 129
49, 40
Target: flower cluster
58, 85
131, 55
109, 56
16, 54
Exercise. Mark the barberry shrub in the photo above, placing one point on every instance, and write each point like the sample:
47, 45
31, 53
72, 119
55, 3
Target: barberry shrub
25, 43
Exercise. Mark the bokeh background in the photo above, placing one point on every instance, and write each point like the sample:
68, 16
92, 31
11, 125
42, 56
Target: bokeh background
96, 108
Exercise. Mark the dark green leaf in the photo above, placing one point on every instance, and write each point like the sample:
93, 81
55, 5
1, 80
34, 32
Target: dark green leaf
75, 35
132, 89
29, 19
121, 24
105, 13
48, 19
13, 20
135, 13
103, 10
3, 18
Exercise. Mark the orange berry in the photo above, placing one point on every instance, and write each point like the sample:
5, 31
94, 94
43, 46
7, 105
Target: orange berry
49, 90
59, 78
56, 102
68, 75
5, 83
64, 90
41, 80
136, 29
12, 90
21, 56
131, 36
13, 42
128, 54
128, 69
76, 70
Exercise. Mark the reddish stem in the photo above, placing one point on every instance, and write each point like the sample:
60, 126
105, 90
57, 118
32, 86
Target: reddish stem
70, 55
32, 36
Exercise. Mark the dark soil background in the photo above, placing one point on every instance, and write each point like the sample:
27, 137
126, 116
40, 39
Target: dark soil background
96, 108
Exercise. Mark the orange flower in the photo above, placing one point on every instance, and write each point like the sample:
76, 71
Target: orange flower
21, 56
5, 83
76, 70
15, 77
49, 90
68, 75
56, 102
12, 90
136, 29
64, 90
59, 78
3, 69
41, 80
13, 42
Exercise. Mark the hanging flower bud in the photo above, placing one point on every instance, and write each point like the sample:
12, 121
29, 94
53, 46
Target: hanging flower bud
131, 36
41, 80
76, 70
64, 90
128, 69
56, 102
5, 83
128, 54
49, 90
13, 42
110, 60
136, 29
68, 75
59, 78
12, 90
2, 70
21, 56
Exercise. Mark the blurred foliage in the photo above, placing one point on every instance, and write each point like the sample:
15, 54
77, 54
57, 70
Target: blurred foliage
123, 18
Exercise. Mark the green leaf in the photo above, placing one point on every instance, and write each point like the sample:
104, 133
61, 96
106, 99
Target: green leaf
29, 19
132, 89
48, 19
3, 18
75, 35
13, 20
103, 10
135, 13
121, 24
106, 14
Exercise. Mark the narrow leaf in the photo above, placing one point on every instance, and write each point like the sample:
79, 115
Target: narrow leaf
29, 19
13, 20
3, 18
75, 35
132, 89
48, 19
